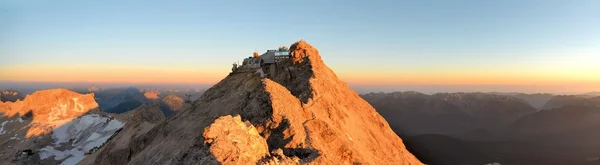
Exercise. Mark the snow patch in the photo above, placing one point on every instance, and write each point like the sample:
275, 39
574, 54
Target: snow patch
77, 128
73, 156
80, 136
113, 124
49, 151
2, 131
495, 163
96, 143
14, 137
93, 137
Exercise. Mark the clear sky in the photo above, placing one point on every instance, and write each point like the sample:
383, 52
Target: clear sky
508, 45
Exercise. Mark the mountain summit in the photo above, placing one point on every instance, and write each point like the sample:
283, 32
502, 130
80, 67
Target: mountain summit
50, 108
53, 126
300, 113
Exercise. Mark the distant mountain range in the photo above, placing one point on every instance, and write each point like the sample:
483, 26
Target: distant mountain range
448, 113
120, 100
10, 95
571, 100
592, 94
497, 127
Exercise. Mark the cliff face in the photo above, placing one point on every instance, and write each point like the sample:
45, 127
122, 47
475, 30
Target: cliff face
301, 114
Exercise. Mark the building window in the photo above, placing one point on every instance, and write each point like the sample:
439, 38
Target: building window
281, 53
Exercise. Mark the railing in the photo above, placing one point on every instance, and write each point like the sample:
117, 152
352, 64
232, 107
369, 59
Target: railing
282, 57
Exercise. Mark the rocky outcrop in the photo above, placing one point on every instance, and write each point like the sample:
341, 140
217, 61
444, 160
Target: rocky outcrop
232, 141
303, 114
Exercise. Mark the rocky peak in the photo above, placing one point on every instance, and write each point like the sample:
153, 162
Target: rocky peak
173, 102
305, 74
50, 108
301, 51
148, 113
303, 113
152, 95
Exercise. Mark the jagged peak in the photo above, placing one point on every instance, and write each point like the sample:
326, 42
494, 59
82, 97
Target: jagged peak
148, 112
301, 44
301, 51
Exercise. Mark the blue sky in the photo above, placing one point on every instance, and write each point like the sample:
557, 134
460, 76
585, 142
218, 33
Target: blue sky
380, 35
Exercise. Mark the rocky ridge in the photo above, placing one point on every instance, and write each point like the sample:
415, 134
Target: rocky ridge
301, 114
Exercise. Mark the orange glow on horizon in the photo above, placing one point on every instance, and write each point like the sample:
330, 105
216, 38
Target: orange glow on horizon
375, 76
108, 74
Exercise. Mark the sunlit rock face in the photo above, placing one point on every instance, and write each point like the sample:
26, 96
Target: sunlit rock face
234, 141
54, 126
152, 95
49, 109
